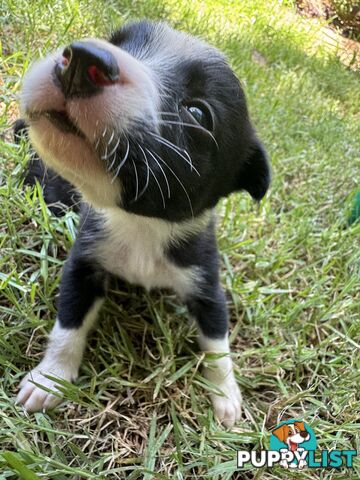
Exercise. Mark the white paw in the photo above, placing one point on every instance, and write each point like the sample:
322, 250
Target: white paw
228, 407
34, 398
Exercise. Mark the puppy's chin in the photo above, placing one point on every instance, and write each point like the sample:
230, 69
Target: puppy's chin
75, 160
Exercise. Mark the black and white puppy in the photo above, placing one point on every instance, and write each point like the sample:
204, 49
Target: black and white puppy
152, 129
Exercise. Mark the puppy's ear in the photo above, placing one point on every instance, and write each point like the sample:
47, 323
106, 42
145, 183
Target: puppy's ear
255, 174
280, 432
300, 425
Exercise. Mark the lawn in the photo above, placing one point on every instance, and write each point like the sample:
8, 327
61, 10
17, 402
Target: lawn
291, 267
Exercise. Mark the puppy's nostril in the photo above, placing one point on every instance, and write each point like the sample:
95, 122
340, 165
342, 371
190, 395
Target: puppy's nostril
99, 77
67, 56
85, 68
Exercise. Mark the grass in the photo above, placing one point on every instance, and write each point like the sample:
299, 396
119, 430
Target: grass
291, 269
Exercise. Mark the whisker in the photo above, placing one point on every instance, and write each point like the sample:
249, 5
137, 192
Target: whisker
112, 162
175, 149
172, 122
147, 172
173, 144
180, 182
137, 181
162, 170
155, 178
97, 144
122, 161
111, 138
105, 157
169, 113
158, 184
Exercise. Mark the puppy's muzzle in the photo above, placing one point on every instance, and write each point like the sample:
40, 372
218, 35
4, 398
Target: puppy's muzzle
86, 69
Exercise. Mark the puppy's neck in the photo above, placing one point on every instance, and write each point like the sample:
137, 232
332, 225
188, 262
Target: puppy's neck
158, 230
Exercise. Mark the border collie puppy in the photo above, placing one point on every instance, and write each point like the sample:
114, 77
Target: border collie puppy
152, 129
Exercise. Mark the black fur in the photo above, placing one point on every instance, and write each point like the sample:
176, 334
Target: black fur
238, 160
83, 280
82, 283
208, 304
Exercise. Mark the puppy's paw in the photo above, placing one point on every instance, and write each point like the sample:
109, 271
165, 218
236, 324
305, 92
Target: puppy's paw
34, 398
228, 407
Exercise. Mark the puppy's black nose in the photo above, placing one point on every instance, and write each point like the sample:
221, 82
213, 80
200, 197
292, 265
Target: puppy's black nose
304, 434
85, 69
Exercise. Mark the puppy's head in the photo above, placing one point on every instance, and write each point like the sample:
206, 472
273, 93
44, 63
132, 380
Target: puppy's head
153, 121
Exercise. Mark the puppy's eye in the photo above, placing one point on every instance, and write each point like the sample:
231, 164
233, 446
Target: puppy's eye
201, 113
198, 114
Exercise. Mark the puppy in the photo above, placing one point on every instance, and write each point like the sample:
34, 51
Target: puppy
293, 435
152, 129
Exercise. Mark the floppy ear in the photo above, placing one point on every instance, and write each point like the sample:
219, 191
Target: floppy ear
280, 432
255, 175
301, 425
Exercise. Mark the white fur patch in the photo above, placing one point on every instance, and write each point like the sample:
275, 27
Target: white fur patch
62, 360
133, 249
227, 406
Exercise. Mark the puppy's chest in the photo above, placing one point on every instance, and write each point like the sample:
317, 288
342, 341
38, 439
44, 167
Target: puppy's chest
135, 251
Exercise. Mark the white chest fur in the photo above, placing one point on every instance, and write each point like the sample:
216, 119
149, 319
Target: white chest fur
134, 247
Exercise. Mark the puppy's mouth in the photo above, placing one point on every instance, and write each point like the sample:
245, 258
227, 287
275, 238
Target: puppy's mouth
293, 446
60, 119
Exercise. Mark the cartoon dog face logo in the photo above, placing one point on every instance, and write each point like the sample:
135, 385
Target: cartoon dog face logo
294, 439
292, 434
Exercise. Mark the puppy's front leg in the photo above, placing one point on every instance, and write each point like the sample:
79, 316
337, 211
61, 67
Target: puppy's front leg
81, 295
211, 317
